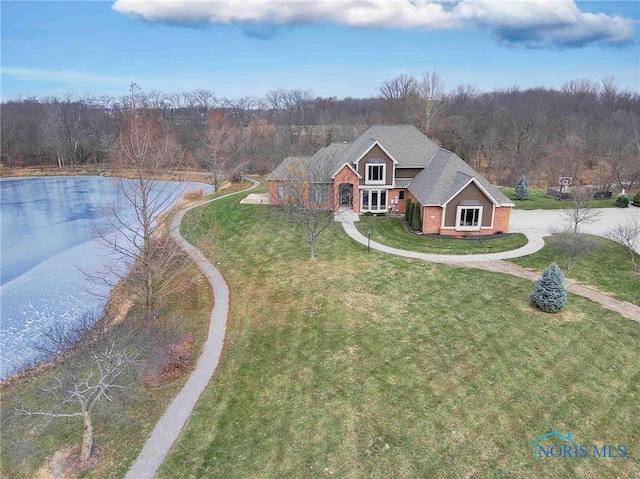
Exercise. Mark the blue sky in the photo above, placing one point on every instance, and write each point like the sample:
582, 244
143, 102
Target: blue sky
333, 48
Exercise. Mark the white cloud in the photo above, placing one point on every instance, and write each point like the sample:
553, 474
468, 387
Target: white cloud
60, 76
534, 23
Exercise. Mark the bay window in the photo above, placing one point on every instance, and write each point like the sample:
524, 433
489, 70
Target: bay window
374, 200
469, 216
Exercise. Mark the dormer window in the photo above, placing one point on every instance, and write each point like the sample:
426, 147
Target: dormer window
376, 172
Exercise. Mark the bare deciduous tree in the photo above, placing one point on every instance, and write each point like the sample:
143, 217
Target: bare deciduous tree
291, 110
306, 197
628, 235
146, 151
571, 245
428, 100
397, 93
83, 387
220, 141
582, 211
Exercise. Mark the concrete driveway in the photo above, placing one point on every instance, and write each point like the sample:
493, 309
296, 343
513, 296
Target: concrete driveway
538, 223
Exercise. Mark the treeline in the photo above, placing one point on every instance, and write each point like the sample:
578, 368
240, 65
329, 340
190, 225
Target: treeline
589, 130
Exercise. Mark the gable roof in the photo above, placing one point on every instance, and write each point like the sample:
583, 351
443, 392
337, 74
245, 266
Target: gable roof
319, 168
445, 175
283, 170
405, 143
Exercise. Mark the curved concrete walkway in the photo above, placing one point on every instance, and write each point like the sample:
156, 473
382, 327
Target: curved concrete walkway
494, 262
535, 243
168, 428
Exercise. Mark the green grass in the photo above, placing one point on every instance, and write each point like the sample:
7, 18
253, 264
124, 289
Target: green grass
392, 232
607, 267
539, 201
369, 365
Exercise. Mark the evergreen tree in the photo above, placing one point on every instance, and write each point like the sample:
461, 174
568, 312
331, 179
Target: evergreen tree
415, 217
522, 189
622, 201
407, 211
550, 294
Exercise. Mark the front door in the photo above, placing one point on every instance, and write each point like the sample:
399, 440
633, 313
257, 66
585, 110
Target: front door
346, 194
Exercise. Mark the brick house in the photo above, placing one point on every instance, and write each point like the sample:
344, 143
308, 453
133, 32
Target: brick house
384, 167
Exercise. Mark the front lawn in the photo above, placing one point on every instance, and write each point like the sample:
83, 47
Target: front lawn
607, 267
538, 200
392, 232
370, 365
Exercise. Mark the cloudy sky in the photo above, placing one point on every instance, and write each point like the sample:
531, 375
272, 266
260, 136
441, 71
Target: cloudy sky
333, 48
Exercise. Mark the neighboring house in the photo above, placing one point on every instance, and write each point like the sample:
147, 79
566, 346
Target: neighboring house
384, 167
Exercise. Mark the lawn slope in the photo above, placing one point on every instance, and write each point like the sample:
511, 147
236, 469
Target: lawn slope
369, 365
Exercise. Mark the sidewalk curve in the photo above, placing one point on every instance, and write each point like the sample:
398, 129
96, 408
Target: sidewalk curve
536, 243
168, 428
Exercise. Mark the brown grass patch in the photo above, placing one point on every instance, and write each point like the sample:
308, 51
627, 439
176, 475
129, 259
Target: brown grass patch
66, 464
169, 362
194, 194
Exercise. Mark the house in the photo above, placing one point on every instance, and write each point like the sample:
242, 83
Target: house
385, 166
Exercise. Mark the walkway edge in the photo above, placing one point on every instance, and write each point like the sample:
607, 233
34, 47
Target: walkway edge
168, 428
535, 243
493, 262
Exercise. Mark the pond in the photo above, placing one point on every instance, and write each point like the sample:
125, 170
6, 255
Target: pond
49, 244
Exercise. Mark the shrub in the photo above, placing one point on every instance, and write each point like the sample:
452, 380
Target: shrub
407, 211
192, 195
416, 224
235, 176
550, 294
522, 189
622, 201
636, 199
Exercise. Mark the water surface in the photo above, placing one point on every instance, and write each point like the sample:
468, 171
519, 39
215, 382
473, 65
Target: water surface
48, 240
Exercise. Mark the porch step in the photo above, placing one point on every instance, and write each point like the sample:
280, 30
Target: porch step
346, 215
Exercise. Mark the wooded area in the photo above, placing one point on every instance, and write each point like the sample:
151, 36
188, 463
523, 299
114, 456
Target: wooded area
587, 130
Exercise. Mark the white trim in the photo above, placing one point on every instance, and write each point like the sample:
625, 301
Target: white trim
459, 209
480, 187
383, 181
348, 166
381, 207
395, 162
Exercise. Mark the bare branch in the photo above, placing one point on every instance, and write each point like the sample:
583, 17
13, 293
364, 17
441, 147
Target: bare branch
628, 235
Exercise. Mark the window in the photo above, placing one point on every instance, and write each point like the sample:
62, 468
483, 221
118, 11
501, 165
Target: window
469, 217
282, 191
365, 200
376, 173
401, 195
374, 200
318, 194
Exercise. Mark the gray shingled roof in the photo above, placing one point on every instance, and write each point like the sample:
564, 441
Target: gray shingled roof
405, 143
282, 171
332, 155
444, 176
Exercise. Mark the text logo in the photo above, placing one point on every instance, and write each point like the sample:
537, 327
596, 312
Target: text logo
554, 445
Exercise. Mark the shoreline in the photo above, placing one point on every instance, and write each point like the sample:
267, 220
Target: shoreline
111, 305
